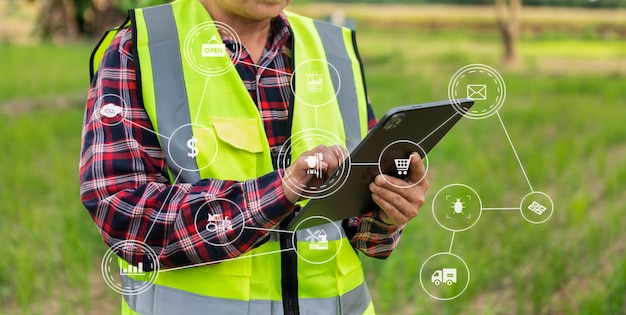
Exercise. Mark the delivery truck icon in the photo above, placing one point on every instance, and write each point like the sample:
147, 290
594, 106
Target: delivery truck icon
447, 275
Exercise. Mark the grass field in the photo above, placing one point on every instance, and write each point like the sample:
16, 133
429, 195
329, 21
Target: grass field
564, 114
565, 126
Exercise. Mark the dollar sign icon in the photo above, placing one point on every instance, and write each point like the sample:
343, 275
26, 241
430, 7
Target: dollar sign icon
191, 144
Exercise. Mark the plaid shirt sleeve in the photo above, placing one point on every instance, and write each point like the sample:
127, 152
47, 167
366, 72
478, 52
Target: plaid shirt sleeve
369, 234
126, 189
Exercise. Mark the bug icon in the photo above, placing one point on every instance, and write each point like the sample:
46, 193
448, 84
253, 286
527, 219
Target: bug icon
458, 206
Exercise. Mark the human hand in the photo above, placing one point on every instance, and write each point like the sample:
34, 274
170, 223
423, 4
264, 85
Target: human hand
400, 200
300, 177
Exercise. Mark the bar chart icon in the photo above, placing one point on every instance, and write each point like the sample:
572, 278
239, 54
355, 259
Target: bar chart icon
131, 270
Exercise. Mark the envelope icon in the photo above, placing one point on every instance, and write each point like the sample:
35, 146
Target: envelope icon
477, 92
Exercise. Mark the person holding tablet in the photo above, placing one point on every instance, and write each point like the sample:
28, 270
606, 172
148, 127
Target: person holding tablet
146, 170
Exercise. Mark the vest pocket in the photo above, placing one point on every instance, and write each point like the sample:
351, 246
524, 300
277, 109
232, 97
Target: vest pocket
240, 133
349, 269
240, 148
348, 262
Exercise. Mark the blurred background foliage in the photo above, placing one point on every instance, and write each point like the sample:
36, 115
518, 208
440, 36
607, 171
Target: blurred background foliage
70, 18
564, 112
548, 3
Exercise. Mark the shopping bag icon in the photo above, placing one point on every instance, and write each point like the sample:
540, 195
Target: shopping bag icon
213, 48
477, 92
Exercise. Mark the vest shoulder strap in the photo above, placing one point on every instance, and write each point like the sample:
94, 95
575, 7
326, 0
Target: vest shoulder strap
102, 45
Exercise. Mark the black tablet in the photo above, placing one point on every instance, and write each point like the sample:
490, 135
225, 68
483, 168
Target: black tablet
386, 149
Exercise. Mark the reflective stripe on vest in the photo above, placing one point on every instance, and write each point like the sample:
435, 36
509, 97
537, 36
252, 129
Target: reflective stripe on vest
159, 299
225, 283
171, 301
169, 88
253, 278
333, 41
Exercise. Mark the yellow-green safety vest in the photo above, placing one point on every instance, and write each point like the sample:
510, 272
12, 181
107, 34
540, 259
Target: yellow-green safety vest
190, 90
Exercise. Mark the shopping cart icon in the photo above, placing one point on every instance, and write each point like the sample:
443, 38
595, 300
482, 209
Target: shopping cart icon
402, 165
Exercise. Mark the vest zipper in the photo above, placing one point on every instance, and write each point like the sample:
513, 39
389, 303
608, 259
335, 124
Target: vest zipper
289, 270
288, 256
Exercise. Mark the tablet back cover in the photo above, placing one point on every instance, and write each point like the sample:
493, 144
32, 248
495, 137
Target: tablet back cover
386, 149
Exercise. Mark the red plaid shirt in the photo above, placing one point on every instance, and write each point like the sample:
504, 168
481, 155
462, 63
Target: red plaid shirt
124, 177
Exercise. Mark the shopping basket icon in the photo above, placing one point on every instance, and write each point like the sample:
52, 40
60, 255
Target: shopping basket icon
402, 165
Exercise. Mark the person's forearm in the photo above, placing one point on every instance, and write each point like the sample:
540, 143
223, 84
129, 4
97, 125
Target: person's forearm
168, 218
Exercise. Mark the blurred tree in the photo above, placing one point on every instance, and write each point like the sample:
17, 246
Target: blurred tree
57, 20
508, 19
11, 7
106, 14
62, 20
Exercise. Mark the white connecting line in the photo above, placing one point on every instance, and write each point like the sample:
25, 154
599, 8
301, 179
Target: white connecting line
515, 152
206, 84
505, 208
451, 242
162, 205
227, 259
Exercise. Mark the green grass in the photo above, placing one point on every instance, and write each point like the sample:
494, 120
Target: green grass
48, 238
566, 124
575, 48
50, 246
43, 72
568, 131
